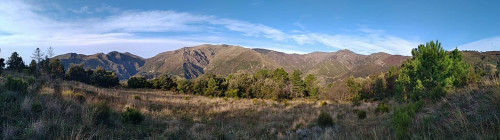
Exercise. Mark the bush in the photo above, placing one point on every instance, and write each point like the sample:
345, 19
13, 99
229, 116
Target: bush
322, 104
137, 97
36, 107
132, 116
402, 118
382, 108
101, 113
361, 114
137, 82
17, 85
79, 97
324, 119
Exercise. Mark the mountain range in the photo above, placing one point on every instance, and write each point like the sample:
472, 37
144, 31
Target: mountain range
191, 62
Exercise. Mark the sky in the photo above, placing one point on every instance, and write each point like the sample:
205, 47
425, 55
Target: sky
146, 28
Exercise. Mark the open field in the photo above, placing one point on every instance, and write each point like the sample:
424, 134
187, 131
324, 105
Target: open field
62, 112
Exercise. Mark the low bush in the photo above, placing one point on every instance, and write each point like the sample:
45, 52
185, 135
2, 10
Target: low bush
137, 97
402, 118
17, 85
382, 108
132, 116
322, 104
101, 113
324, 119
361, 114
79, 97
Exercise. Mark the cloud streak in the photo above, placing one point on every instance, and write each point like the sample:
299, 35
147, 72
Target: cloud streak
488, 44
23, 25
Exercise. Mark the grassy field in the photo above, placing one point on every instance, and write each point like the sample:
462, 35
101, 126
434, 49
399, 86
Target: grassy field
72, 110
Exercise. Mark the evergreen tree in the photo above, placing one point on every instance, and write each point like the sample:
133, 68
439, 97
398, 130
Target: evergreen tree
56, 68
33, 68
312, 89
298, 83
431, 72
78, 73
15, 62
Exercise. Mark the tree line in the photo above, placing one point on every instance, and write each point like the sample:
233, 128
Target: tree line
45, 65
277, 84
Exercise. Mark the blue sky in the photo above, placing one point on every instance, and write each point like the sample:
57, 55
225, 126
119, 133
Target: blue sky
147, 28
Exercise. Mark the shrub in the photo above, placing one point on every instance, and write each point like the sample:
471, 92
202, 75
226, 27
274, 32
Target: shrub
323, 104
132, 116
361, 114
79, 97
137, 97
137, 82
402, 118
36, 107
101, 113
324, 119
382, 108
17, 85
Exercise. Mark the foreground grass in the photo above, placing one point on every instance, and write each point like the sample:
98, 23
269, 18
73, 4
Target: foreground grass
70, 110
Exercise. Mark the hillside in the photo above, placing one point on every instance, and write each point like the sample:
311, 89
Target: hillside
191, 62
123, 64
485, 63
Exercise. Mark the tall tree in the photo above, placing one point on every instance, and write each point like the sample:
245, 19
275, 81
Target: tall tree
15, 62
431, 72
33, 68
56, 68
298, 83
312, 88
38, 57
50, 52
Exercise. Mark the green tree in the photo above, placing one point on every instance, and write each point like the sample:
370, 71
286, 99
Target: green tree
137, 82
104, 78
312, 88
164, 82
15, 62
298, 84
431, 72
183, 85
390, 78
78, 73
56, 68
459, 68
354, 87
33, 68
379, 87
2, 65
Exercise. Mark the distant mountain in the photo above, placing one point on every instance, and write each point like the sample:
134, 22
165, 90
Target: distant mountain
123, 64
191, 62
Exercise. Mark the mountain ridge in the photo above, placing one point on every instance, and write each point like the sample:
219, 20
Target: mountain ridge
191, 62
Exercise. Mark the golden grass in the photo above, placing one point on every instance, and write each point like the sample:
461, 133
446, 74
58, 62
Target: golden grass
171, 115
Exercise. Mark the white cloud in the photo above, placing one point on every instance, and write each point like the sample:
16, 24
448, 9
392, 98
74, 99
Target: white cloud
364, 44
488, 44
23, 25
83, 9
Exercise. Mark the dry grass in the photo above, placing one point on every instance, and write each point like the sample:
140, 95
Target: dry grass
171, 115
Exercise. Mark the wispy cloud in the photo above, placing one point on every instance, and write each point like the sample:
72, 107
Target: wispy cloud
22, 25
84, 9
488, 44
